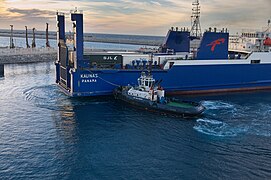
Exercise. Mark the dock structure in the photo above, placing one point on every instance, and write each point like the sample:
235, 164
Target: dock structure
33, 39
1, 70
26, 38
11, 44
47, 35
95, 37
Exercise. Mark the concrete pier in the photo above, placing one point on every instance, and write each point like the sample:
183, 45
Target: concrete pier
1, 70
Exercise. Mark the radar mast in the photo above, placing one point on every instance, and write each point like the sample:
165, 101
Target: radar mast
195, 23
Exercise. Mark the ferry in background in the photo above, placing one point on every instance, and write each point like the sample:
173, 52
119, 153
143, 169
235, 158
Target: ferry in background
209, 68
251, 40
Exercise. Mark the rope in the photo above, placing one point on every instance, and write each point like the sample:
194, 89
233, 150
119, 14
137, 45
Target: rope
109, 82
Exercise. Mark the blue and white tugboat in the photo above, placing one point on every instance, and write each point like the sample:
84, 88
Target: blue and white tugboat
150, 95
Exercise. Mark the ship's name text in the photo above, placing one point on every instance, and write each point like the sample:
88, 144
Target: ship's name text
89, 78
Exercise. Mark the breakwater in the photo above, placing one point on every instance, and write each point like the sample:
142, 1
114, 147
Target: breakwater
95, 37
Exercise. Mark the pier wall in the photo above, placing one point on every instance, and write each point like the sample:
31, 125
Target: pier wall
22, 55
27, 58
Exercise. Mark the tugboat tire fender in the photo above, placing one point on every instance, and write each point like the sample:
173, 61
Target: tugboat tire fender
154, 105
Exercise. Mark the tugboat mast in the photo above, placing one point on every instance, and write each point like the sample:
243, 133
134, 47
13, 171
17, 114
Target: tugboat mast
195, 22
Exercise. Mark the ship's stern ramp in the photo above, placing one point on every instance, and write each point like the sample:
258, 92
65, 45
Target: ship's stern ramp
69, 60
62, 60
64, 67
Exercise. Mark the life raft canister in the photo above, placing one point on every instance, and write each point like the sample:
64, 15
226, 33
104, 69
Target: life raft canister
267, 41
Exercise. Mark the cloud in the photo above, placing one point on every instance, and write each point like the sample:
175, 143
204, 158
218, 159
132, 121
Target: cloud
156, 3
31, 17
238, 15
137, 17
32, 12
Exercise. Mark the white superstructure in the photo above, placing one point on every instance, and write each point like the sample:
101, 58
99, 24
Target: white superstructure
146, 89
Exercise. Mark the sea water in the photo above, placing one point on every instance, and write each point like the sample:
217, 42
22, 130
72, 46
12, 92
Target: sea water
45, 134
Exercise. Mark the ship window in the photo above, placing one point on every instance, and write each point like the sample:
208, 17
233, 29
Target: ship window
255, 61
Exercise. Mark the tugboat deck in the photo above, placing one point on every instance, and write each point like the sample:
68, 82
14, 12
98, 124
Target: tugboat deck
181, 105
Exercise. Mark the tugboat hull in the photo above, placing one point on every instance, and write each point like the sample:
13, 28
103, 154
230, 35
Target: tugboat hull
175, 107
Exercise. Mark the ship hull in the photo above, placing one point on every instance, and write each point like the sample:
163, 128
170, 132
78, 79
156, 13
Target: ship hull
180, 79
207, 69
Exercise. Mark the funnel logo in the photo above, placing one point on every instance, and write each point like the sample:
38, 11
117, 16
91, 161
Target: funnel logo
216, 42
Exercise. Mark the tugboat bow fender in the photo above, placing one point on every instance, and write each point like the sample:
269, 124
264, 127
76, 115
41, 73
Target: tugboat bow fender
154, 104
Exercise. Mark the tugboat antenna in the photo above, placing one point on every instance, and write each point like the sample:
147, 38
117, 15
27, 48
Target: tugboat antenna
150, 64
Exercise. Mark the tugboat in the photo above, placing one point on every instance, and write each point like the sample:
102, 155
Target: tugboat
150, 95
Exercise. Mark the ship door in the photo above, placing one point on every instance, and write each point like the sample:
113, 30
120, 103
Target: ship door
171, 65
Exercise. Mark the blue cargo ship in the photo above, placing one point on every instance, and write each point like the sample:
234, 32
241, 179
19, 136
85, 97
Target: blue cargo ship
209, 68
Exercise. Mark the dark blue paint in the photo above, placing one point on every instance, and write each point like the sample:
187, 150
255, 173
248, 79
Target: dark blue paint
180, 78
213, 46
177, 40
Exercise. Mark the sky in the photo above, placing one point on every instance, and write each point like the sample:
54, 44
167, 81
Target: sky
143, 17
